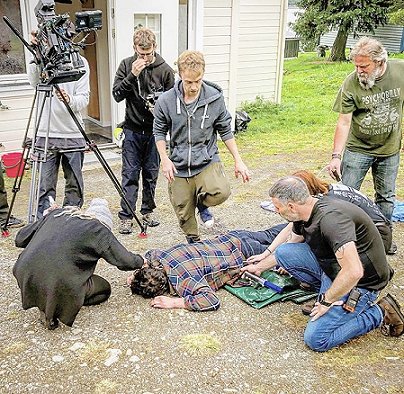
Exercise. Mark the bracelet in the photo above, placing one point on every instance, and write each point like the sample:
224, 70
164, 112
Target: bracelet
336, 156
269, 250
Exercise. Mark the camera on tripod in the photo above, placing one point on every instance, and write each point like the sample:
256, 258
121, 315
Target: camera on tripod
56, 52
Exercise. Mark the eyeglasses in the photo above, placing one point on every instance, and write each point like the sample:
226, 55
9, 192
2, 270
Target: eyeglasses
145, 54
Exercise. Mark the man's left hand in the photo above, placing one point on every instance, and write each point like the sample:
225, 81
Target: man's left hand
241, 169
320, 310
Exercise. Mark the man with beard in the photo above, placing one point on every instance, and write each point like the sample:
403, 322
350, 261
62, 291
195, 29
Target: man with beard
368, 132
336, 248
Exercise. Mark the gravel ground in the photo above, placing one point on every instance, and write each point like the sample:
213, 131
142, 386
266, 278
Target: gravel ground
124, 345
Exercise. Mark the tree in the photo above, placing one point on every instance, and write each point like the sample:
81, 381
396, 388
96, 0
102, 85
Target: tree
346, 16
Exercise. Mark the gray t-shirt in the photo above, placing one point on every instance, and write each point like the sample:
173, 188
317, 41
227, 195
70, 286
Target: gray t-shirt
332, 224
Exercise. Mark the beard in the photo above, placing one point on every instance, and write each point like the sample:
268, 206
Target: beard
367, 81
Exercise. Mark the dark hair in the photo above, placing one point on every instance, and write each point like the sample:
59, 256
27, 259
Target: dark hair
149, 282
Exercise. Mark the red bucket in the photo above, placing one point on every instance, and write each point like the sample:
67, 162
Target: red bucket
11, 162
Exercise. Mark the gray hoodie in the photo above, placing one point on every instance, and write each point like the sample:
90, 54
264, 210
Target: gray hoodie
193, 129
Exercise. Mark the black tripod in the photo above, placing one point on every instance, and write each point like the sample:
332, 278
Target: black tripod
39, 156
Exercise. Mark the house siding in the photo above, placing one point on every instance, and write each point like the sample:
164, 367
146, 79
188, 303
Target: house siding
14, 119
254, 52
259, 37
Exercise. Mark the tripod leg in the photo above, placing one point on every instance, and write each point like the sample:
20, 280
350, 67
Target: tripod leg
107, 168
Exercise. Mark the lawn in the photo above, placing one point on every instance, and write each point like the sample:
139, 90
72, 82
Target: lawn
304, 123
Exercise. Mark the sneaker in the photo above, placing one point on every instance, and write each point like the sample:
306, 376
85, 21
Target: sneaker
393, 321
393, 248
13, 222
206, 217
125, 227
148, 219
191, 239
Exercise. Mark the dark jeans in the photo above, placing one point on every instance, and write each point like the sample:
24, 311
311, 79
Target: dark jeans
98, 290
255, 242
72, 163
384, 172
139, 156
3, 197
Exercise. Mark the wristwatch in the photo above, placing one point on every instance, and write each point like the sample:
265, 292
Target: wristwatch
321, 300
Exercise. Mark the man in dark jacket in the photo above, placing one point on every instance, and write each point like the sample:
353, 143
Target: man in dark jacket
193, 112
55, 272
139, 80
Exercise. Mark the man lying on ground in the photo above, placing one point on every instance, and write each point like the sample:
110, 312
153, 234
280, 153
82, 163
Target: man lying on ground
194, 272
336, 248
55, 272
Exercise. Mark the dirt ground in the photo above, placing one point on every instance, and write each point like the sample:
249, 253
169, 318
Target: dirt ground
124, 345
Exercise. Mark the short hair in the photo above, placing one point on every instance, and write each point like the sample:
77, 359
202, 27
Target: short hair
149, 282
290, 189
144, 38
367, 46
191, 60
314, 184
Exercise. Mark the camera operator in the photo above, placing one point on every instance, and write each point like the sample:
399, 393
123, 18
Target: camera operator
138, 80
65, 144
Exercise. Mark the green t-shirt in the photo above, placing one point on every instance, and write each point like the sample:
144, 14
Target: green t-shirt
376, 113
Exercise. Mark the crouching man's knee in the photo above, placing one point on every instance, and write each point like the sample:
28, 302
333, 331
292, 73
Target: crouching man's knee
316, 340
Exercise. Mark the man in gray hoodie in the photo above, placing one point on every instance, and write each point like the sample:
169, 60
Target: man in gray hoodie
192, 113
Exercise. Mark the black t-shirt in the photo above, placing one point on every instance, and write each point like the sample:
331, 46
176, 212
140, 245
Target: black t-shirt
354, 196
332, 224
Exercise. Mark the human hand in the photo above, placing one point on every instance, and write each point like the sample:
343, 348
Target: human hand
168, 169
241, 169
129, 279
165, 302
33, 37
256, 258
252, 269
62, 95
334, 169
138, 66
320, 310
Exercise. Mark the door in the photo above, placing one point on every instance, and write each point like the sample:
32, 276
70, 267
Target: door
161, 16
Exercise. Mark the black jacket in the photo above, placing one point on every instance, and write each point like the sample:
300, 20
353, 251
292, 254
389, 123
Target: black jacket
157, 77
60, 255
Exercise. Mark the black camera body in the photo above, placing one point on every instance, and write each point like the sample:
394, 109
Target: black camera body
150, 100
56, 52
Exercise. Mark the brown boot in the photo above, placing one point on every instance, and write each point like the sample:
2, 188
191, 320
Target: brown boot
308, 307
393, 322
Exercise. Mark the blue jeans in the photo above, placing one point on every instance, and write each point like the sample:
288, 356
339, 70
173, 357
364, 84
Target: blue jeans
139, 157
337, 326
255, 242
354, 168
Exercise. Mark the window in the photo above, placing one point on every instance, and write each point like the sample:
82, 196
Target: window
12, 58
151, 21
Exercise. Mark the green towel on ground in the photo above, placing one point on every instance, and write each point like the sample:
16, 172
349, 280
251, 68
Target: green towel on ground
258, 296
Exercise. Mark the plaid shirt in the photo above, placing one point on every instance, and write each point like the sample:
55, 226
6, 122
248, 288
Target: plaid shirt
197, 270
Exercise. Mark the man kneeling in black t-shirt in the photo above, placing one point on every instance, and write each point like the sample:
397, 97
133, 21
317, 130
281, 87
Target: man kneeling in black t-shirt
337, 249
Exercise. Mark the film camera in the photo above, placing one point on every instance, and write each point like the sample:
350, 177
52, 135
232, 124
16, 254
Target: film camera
56, 52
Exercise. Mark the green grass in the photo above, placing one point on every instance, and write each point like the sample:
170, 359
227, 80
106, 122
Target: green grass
303, 124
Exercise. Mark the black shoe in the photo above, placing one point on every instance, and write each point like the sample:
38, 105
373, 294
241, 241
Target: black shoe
13, 222
393, 248
148, 219
192, 239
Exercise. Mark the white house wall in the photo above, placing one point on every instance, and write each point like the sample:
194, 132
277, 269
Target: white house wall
260, 29
217, 42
